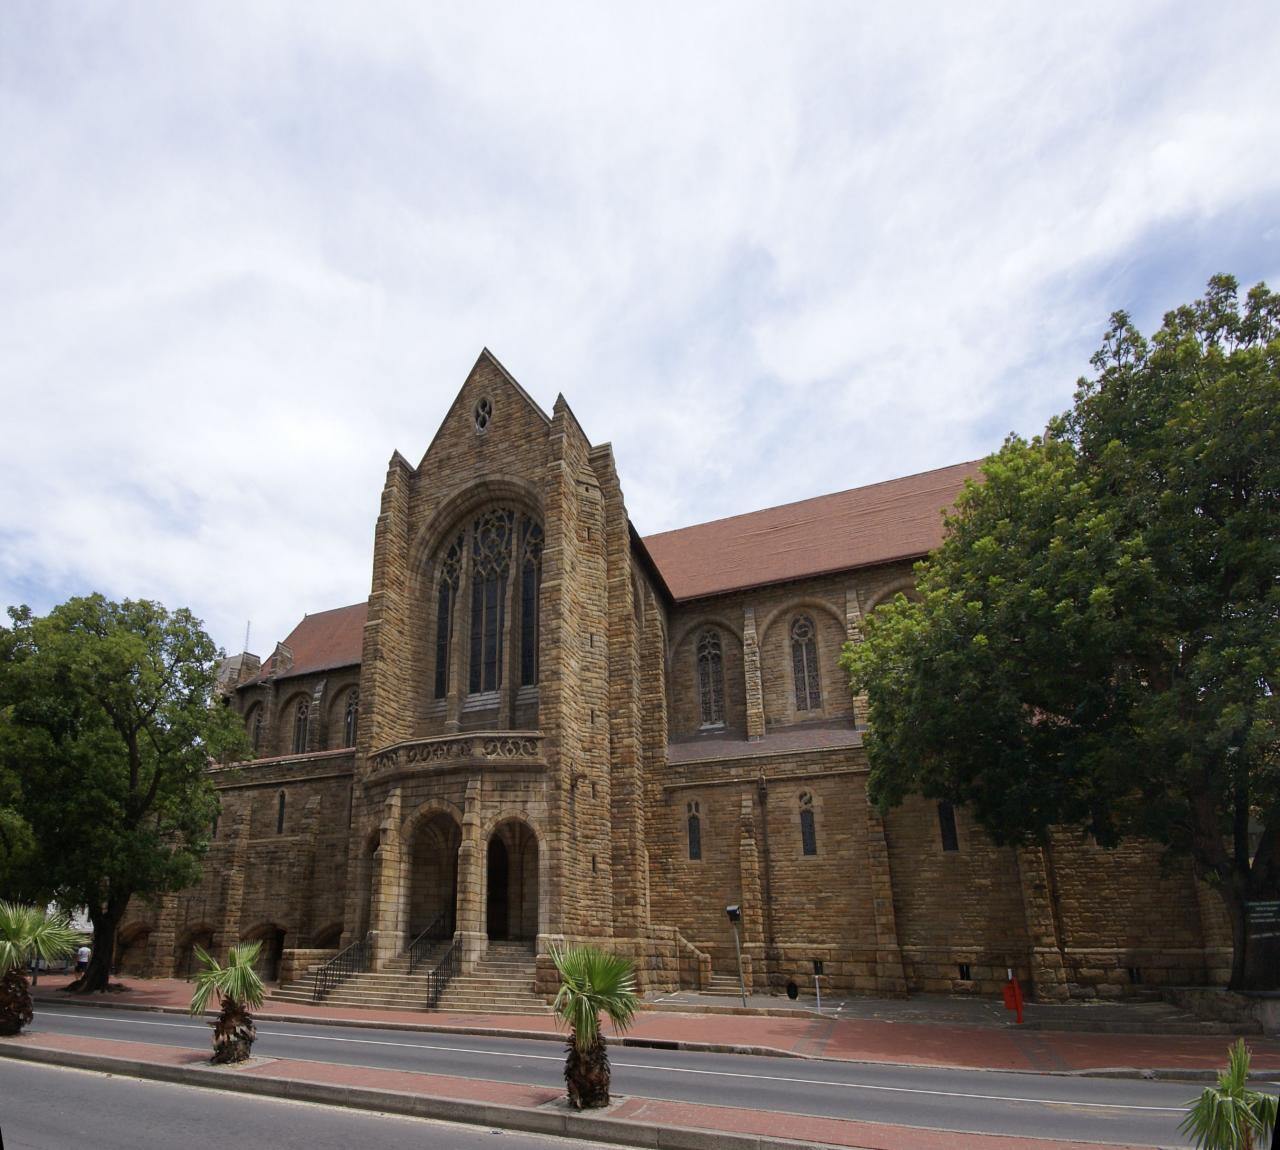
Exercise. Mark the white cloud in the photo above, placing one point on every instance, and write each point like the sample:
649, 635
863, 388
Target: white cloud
250, 249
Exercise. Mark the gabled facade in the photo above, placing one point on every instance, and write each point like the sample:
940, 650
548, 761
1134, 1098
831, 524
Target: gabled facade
541, 727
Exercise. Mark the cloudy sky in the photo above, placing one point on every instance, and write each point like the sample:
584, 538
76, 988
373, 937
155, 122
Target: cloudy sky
768, 251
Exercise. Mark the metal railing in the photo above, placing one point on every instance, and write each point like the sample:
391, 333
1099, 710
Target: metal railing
355, 959
419, 950
446, 969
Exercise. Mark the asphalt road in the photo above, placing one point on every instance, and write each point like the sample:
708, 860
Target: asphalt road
53, 1108
1092, 1109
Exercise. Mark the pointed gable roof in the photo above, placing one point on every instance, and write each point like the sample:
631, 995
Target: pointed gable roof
866, 526
324, 641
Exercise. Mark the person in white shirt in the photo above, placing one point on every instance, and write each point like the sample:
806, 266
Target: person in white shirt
82, 959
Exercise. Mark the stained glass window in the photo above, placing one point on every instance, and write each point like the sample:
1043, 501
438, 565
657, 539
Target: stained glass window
710, 678
301, 715
804, 664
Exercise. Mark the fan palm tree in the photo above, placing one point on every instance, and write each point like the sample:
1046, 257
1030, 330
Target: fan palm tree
591, 981
240, 990
1230, 1116
26, 932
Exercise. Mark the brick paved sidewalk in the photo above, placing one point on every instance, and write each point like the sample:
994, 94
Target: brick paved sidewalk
855, 1040
634, 1120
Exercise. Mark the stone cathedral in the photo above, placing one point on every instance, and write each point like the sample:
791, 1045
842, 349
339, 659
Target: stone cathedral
542, 727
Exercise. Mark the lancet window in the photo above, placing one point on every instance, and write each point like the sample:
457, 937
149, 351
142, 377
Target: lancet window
808, 827
710, 678
301, 715
446, 600
350, 718
804, 664
695, 831
495, 565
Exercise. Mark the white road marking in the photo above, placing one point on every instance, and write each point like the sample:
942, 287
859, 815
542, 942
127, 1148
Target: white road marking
650, 1066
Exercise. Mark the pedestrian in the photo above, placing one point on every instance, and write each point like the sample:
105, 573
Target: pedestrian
82, 959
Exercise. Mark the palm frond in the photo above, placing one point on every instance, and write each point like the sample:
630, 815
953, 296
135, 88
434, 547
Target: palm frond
237, 980
27, 932
1229, 1114
591, 981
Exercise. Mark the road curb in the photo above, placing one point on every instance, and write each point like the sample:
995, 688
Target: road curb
433, 1028
564, 1124
1171, 1073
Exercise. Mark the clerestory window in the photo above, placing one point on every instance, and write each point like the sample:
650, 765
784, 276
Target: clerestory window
301, 716
804, 664
710, 678
350, 718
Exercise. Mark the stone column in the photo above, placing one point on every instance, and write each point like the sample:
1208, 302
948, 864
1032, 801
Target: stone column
386, 914
853, 630
891, 977
1048, 971
751, 670
752, 925
228, 930
470, 934
160, 942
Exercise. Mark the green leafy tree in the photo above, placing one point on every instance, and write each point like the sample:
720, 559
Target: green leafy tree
591, 981
26, 933
109, 723
1097, 640
239, 990
1230, 1116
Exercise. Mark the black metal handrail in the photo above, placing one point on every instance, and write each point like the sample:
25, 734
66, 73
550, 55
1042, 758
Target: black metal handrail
355, 959
420, 947
447, 968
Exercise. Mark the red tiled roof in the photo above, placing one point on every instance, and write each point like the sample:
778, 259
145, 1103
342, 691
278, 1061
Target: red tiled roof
826, 737
323, 641
898, 519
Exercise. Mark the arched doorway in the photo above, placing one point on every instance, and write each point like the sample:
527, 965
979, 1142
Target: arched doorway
131, 951
511, 901
270, 953
184, 958
433, 887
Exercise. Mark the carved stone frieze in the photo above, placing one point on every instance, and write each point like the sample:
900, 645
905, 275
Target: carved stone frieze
504, 748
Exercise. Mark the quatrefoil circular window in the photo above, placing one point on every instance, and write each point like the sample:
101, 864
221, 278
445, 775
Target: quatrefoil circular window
483, 413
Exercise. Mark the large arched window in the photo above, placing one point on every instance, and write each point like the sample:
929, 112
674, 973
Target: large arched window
301, 715
710, 678
350, 718
804, 664
495, 563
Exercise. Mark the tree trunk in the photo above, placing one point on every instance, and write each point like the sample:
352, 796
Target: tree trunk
586, 1074
1233, 897
106, 924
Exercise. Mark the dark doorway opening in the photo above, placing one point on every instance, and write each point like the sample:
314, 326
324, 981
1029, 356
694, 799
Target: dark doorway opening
499, 881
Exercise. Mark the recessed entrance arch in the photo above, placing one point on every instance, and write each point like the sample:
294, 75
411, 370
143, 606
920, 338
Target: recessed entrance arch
511, 887
433, 886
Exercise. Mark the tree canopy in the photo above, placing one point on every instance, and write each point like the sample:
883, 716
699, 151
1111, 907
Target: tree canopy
1097, 640
108, 722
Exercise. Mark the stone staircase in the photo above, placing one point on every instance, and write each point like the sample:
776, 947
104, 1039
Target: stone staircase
502, 983
724, 985
392, 988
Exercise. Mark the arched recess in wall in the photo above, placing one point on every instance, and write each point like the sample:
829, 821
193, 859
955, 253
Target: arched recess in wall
253, 728
706, 691
131, 950
904, 586
479, 592
294, 724
800, 645
184, 951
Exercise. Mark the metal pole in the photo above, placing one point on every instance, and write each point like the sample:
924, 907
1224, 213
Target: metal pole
742, 982
817, 989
